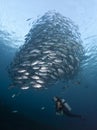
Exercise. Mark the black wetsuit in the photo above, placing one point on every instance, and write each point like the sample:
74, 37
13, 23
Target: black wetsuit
64, 110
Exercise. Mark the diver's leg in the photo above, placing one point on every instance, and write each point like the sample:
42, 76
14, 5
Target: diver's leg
75, 115
72, 115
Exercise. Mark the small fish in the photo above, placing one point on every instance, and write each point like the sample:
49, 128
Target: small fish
14, 111
71, 57
77, 59
71, 67
37, 85
26, 73
53, 77
28, 19
35, 51
19, 81
18, 78
25, 87
65, 62
23, 64
52, 54
44, 57
34, 63
24, 77
45, 52
57, 61
13, 95
40, 81
42, 108
42, 70
36, 67
35, 77
60, 71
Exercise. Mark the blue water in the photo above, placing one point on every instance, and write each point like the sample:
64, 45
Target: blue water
28, 103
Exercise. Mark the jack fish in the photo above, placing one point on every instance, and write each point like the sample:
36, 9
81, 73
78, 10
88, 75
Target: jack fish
52, 51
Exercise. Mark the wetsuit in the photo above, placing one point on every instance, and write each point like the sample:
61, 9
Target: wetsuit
61, 108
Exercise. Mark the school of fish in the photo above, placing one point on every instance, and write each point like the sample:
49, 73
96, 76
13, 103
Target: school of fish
52, 51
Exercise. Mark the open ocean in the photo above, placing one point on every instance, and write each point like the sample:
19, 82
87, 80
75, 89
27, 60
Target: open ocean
35, 109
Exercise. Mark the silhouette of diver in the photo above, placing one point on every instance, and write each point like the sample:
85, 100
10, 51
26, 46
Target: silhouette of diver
63, 108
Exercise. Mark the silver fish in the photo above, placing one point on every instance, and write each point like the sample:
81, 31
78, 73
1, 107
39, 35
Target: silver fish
37, 85
25, 87
26, 73
24, 77
35, 77
21, 71
40, 81
52, 51
34, 63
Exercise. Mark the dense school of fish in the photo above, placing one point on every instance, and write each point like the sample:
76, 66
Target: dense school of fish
52, 52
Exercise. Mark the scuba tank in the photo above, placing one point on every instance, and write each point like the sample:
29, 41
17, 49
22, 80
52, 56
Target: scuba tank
66, 105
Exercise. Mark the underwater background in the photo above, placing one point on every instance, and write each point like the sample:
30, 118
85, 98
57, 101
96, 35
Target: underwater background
35, 109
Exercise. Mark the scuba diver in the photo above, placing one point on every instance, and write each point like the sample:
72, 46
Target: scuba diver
63, 108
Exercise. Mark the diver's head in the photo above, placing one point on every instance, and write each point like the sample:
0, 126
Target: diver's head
55, 98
